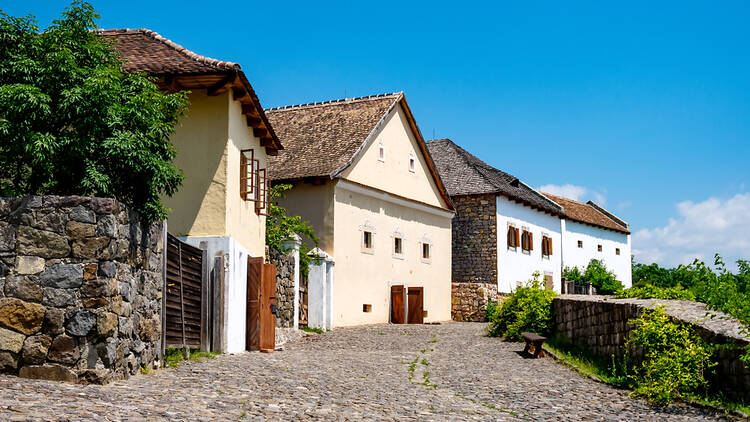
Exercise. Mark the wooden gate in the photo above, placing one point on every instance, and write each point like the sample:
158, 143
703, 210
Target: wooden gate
416, 305
261, 305
303, 300
186, 285
397, 305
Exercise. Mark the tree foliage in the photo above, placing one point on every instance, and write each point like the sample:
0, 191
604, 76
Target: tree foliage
280, 226
73, 123
596, 274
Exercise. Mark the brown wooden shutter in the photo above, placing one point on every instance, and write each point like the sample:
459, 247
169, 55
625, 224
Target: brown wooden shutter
531, 241
517, 237
549, 246
510, 237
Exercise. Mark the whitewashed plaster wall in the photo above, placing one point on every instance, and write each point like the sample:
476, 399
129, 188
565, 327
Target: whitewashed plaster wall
515, 266
592, 236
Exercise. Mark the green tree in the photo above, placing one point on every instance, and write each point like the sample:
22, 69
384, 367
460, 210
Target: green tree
73, 123
600, 277
280, 226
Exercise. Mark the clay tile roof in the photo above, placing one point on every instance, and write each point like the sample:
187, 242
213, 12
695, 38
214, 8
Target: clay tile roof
590, 213
147, 51
320, 138
465, 174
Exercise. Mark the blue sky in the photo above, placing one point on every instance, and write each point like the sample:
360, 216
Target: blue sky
643, 106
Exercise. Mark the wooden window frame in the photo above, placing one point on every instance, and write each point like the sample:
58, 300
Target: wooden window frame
527, 241
513, 237
546, 246
398, 241
261, 203
247, 177
580, 244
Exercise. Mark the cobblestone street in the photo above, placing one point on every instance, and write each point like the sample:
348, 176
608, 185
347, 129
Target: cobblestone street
385, 372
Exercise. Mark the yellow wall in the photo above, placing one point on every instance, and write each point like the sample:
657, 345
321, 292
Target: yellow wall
314, 203
361, 278
393, 175
208, 141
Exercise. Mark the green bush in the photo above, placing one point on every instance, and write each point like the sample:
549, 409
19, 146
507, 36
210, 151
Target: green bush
528, 308
674, 360
649, 291
573, 274
491, 310
600, 277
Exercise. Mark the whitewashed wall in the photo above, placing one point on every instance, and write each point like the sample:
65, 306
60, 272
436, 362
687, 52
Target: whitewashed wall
515, 266
573, 256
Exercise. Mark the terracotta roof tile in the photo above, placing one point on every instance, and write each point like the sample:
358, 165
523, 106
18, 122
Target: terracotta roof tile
588, 214
465, 174
320, 138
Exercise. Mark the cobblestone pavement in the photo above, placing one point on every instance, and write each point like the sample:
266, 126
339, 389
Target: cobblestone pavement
383, 372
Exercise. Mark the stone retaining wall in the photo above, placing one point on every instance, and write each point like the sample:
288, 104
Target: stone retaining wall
284, 286
600, 324
469, 300
80, 289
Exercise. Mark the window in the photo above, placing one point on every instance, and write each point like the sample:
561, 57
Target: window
580, 243
546, 246
398, 245
512, 237
381, 152
366, 307
426, 251
412, 163
253, 181
527, 241
367, 241
617, 251
599, 248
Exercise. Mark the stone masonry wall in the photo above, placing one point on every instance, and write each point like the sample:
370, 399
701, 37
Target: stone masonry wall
469, 300
475, 239
80, 289
600, 324
284, 287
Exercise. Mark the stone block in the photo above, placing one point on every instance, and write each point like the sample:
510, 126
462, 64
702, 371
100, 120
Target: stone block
53, 321
150, 329
20, 316
104, 206
89, 271
23, 288
108, 269
98, 287
78, 230
83, 214
90, 248
41, 243
11, 341
106, 324
8, 362
64, 349
80, 323
29, 265
107, 226
7, 237
48, 372
59, 298
63, 276
35, 348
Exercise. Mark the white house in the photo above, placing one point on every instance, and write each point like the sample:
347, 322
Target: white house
362, 177
505, 231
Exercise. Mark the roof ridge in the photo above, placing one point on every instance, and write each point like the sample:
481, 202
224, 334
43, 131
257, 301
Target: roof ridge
337, 101
607, 214
177, 47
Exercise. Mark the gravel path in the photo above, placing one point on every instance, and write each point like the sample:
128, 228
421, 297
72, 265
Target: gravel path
382, 372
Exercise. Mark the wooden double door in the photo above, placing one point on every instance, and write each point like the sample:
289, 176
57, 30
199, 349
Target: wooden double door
407, 305
261, 305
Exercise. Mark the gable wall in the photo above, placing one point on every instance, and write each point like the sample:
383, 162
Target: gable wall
517, 266
591, 237
393, 175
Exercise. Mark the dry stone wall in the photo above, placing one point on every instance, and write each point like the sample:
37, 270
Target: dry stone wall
475, 239
284, 286
601, 325
469, 300
80, 289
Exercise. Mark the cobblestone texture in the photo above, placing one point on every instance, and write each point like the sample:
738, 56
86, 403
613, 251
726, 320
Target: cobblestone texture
600, 323
349, 374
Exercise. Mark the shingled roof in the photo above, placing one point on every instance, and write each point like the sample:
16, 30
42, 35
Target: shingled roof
322, 139
178, 68
465, 174
589, 213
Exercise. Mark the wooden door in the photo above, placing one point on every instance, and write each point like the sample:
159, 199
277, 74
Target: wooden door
268, 308
397, 304
549, 283
252, 327
416, 305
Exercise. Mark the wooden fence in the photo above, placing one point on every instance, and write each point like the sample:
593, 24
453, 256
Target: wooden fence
186, 306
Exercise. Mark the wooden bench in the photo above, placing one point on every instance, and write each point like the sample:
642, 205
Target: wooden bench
534, 341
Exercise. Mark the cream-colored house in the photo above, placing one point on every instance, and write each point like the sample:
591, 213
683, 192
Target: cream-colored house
222, 144
362, 177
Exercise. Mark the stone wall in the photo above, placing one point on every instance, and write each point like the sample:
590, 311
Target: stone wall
600, 324
469, 300
475, 239
284, 286
80, 289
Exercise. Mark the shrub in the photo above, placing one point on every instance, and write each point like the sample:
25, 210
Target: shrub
649, 291
528, 308
280, 227
491, 310
600, 277
73, 123
674, 359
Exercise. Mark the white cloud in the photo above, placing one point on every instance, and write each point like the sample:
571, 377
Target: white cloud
576, 193
699, 231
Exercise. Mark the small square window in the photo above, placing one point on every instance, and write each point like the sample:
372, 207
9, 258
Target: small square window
412, 163
398, 245
381, 152
580, 243
599, 248
366, 307
617, 251
367, 241
426, 251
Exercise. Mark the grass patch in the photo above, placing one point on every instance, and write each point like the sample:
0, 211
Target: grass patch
173, 357
312, 330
